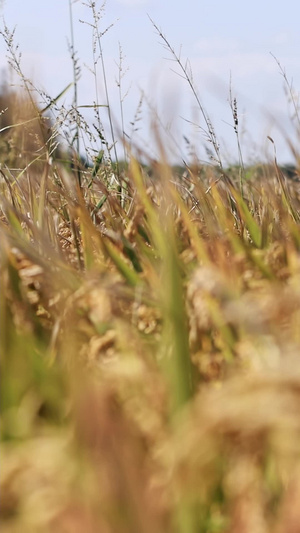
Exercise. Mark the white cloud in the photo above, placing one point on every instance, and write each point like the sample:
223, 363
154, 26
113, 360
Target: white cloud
216, 45
133, 3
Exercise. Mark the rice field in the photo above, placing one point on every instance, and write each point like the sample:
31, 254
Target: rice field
150, 333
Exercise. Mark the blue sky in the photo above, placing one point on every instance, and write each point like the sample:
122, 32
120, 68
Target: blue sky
220, 39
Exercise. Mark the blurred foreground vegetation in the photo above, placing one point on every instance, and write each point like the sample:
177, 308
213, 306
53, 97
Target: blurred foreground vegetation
150, 341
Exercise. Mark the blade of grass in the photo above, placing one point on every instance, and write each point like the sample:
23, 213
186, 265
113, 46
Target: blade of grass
115, 255
251, 224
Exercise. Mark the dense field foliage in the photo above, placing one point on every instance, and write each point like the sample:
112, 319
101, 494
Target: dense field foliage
150, 341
